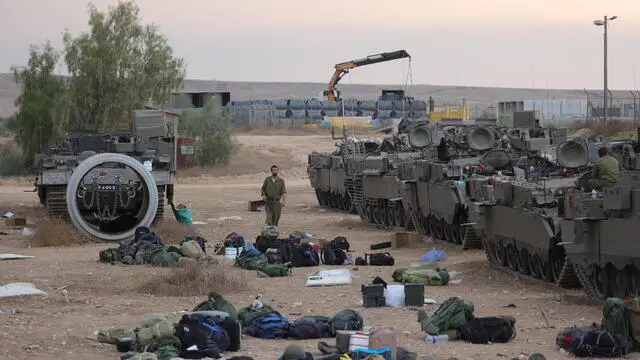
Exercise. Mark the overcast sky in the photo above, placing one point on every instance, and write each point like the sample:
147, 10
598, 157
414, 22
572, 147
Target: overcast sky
510, 43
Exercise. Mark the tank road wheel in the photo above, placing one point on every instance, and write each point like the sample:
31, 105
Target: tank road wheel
512, 257
376, 214
558, 259
345, 205
598, 278
398, 213
523, 262
433, 226
533, 266
447, 230
384, 214
619, 280
424, 223
500, 253
368, 210
148, 209
391, 216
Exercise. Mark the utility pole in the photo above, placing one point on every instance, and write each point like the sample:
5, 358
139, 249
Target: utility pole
605, 23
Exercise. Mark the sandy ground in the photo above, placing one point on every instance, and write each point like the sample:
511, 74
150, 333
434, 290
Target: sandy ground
98, 296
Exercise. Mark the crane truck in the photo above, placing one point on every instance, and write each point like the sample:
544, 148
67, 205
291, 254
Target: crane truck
341, 69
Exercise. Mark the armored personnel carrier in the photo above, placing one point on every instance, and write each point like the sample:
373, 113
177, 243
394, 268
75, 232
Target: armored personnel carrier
598, 229
108, 184
518, 214
436, 197
378, 182
330, 174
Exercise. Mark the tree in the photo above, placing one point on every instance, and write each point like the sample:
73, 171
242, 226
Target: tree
214, 132
42, 106
118, 66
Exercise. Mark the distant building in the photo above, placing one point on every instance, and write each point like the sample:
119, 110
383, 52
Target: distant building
548, 111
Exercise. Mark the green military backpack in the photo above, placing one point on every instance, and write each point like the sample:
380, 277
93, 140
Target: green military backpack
275, 270
110, 256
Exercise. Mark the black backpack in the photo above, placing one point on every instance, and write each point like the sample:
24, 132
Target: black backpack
304, 255
340, 242
203, 332
309, 327
485, 330
593, 342
286, 249
332, 256
381, 259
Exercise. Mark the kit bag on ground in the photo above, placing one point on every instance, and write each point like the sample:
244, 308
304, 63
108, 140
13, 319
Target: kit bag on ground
273, 256
276, 270
269, 326
487, 330
340, 242
264, 242
305, 254
348, 320
203, 332
228, 323
309, 327
381, 259
332, 256
592, 342
286, 248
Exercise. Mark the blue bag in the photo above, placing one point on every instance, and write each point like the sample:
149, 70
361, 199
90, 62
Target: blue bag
269, 326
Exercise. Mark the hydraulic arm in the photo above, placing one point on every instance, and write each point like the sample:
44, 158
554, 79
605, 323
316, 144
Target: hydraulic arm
343, 68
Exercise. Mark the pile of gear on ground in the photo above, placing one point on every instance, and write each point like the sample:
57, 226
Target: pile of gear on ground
215, 326
148, 248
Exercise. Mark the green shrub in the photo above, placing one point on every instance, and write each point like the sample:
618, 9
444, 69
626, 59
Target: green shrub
12, 161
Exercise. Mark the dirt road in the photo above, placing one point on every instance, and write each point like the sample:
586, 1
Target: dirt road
85, 295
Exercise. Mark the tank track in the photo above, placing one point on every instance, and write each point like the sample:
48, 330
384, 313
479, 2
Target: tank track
160, 212
568, 278
334, 202
586, 283
462, 235
56, 202
382, 212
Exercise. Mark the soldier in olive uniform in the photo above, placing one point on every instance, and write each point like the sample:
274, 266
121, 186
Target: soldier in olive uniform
273, 193
606, 171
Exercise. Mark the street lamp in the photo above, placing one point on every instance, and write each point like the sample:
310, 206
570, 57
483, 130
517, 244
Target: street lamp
604, 23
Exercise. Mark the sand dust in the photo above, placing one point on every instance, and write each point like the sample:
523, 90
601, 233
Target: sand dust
98, 296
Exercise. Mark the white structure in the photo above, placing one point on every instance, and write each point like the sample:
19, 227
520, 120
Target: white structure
548, 111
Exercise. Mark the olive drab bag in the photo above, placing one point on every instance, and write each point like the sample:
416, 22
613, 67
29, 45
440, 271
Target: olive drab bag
276, 270
346, 320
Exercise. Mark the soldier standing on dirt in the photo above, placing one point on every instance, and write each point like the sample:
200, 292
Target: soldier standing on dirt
273, 193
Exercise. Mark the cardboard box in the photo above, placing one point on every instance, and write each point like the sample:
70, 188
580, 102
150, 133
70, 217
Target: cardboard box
255, 205
15, 222
405, 240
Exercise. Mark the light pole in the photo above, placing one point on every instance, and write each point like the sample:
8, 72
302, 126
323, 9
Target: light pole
604, 23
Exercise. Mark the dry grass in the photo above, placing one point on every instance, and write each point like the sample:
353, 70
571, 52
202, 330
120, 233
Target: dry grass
50, 233
611, 128
171, 231
194, 279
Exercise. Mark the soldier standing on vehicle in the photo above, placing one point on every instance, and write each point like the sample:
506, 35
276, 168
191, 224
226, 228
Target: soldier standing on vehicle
606, 171
273, 193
